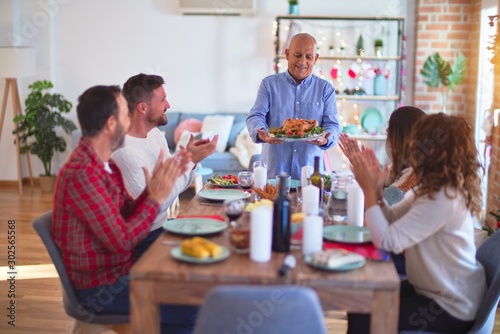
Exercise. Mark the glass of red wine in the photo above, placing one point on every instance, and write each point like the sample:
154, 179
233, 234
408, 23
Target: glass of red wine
246, 180
238, 232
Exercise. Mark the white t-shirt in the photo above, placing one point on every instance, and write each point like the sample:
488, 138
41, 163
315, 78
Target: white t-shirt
437, 236
143, 152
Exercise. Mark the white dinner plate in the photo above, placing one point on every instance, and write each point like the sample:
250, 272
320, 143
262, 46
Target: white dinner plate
348, 234
344, 267
176, 253
293, 183
291, 139
194, 226
223, 194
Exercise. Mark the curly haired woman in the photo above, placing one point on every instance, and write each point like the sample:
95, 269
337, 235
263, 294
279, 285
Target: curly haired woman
445, 282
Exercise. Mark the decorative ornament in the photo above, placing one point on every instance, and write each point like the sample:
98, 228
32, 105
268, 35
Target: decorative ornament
368, 70
334, 72
360, 46
354, 70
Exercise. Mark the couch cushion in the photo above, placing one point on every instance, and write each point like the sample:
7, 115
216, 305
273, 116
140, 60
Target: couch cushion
190, 124
235, 131
168, 130
220, 125
222, 163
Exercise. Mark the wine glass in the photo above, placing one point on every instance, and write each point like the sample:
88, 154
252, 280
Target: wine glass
246, 180
237, 232
233, 209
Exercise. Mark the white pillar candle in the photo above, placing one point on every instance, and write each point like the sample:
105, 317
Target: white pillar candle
355, 204
260, 174
305, 173
310, 200
261, 230
312, 241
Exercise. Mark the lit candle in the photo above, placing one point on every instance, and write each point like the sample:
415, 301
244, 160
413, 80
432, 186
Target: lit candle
310, 200
260, 173
312, 241
261, 230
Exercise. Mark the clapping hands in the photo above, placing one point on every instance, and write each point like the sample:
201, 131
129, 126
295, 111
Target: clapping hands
160, 184
348, 145
367, 171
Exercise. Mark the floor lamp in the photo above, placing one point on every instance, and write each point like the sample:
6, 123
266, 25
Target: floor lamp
16, 62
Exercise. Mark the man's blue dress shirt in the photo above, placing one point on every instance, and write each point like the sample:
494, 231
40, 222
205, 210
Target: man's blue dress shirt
279, 98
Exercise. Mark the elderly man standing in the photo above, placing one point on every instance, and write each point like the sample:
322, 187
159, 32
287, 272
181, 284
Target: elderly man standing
147, 104
96, 224
296, 93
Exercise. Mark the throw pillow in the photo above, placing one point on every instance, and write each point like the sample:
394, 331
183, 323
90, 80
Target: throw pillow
220, 125
190, 124
184, 139
245, 148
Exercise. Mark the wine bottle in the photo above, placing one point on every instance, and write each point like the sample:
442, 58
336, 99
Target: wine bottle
317, 180
281, 218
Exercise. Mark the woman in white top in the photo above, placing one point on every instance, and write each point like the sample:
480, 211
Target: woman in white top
445, 282
401, 180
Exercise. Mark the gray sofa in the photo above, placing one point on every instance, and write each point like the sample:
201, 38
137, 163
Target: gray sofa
221, 162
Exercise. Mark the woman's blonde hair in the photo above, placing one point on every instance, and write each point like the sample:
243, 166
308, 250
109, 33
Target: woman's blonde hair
443, 154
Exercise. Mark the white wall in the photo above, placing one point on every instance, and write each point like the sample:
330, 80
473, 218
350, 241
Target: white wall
210, 63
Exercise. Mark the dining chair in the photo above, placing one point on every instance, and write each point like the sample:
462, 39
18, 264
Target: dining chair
261, 309
73, 307
488, 254
253, 158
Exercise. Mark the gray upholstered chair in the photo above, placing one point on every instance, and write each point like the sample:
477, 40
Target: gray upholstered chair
261, 309
253, 158
72, 306
488, 254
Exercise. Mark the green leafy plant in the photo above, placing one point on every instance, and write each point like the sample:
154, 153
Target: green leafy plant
438, 71
293, 2
379, 43
37, 126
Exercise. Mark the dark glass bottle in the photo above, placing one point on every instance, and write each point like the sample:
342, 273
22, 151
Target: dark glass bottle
281, 218
317, 180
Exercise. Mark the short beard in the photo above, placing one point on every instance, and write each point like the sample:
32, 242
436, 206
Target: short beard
162, 120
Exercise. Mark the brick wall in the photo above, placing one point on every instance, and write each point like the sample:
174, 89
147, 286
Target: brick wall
448, 27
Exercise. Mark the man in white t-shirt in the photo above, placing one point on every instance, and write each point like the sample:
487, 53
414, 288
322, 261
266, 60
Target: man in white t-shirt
147, 103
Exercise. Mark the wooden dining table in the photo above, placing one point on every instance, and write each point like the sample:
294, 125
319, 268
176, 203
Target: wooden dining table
158, 278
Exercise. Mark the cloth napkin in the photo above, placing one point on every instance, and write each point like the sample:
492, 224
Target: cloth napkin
368, 250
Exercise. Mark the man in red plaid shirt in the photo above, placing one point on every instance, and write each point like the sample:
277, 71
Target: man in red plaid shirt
96, 223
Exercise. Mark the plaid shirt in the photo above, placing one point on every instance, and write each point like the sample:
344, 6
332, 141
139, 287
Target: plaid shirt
96, 224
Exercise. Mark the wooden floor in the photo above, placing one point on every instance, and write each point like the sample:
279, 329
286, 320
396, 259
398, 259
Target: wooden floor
37, 289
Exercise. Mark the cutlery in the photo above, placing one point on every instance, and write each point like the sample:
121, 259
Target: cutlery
171, 242
211, 204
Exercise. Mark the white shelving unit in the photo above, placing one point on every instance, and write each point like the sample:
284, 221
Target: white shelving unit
337, 39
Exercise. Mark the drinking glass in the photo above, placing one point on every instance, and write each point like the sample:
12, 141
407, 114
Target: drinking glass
238, 231
246, 180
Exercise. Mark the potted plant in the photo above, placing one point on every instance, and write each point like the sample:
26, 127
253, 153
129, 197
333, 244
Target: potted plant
438, 71
293, 7
378, 47
37, 127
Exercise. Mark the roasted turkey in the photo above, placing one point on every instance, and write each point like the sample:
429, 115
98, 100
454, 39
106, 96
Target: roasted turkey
299, 124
